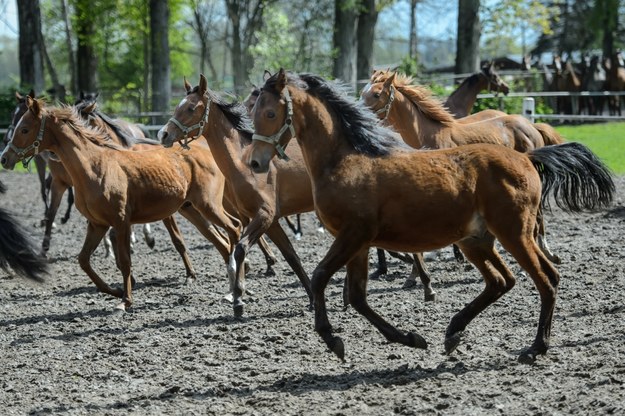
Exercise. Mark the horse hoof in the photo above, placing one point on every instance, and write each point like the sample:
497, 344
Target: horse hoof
238, 310
409, 283
121, 307
190, 280
556, 259
228, 297
527, 357
337, 347
151, 242
452, 341
430, 297
417, 341
270, 271
298, 236
246, 266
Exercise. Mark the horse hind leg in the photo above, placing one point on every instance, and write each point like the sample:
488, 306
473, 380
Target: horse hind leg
70, 202
541, 239
57, 189
148, 236
357, 284
181, 248
497, 278
94, 235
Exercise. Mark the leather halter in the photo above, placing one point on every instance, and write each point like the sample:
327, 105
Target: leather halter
387, 108
21, 151
274, 139
187, 129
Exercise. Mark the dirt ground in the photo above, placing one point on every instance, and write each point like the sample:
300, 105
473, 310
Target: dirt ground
180, 351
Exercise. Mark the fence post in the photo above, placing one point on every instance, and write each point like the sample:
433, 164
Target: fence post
529, 108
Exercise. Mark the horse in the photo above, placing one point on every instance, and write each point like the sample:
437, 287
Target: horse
262, 198
371, 189
615, 81
566, 79
116, 187
40, 160
595, 81
17, 251
461, 101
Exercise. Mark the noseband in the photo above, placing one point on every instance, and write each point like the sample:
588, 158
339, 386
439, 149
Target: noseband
21, 151
187, 129
274, 139
387, 108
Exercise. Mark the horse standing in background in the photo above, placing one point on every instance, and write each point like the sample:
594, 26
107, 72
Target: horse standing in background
615, 81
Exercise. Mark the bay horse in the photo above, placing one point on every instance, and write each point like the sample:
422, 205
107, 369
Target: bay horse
116, 187
566, 79
261, 198
461, 101
615, 81
17, 251
370, 189
424, 123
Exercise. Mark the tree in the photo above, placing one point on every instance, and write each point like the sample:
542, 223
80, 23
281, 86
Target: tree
203, 24
30, 45
468, 39
86, 60
365, 35
70, 50
159, 56
344, 40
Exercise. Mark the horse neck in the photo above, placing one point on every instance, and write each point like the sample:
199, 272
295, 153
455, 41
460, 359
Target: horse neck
79, 156
461, 101
417, 130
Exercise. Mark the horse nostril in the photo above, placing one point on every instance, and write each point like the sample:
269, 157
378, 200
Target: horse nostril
3, 161
255, 165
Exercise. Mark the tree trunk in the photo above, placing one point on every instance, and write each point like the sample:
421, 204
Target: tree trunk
30, 45
610, 26
412, 47
365, 35
71, 62
161, 79
86, 60
236, 48
58, 90
344, 41
468, 41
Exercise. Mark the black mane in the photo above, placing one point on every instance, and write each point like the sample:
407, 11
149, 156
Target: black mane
360, 125
235, 112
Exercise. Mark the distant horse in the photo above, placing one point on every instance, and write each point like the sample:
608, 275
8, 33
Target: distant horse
461, 101
262, 198
17, 251
116, 187
566, 79
425, 124
594, 80
370, 189
615, 81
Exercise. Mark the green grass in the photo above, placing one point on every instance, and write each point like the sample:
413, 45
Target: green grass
606, 140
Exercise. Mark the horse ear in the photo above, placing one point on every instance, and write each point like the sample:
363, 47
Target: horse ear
266, 75
19, 97
187, 86
82, 95
33, 105
389, 81
89, 109
31, 93
203, 84
281, 81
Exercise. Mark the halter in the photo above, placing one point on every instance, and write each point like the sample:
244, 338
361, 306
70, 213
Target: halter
187, 129
21, 151
387, 108
274, 139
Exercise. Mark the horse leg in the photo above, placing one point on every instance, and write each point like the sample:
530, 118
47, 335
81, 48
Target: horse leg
418, 268
108, 247
57, 188
497, 278
546, 279
124, 264
357, 281
280, 239
457, 253
382, 266
292, 226
299, 232
147, 235
270, 258
70, 202
41, 164
95, 233
541, 238
176, 238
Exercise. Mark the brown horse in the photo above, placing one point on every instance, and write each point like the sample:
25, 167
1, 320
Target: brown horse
116, 187
566, 79
370, 189
261, 198
615, 81
461, 101
424, 123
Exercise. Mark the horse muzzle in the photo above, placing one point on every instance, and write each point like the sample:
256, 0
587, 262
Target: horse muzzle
8, 159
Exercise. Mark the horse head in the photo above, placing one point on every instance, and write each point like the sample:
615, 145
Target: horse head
379, 93
28, 136
495, 83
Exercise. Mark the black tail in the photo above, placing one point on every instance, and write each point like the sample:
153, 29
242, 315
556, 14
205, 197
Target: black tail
16, 249
574, 176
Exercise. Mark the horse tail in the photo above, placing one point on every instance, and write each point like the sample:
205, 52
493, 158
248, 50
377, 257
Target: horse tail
574, 176
17, 251
550, 135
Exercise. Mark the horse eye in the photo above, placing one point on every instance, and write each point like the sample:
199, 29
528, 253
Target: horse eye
271, 114
24, 131
376, 95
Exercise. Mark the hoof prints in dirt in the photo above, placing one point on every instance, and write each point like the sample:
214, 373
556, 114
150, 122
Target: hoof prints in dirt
180, 349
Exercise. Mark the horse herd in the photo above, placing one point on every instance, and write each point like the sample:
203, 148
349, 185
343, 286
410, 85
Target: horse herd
395, 170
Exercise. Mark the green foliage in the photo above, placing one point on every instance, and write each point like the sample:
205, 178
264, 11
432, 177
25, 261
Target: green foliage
7, 106
410, 66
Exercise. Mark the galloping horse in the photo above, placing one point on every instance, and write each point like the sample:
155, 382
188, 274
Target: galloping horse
461, 101
116, 187
370, 189
16, 249
424, 123
262, 198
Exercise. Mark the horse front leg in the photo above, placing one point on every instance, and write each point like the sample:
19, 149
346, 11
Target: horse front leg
148, 236
419, 269
122, 237
57, 189
70, 202
94, 235
181, 248
41, 164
